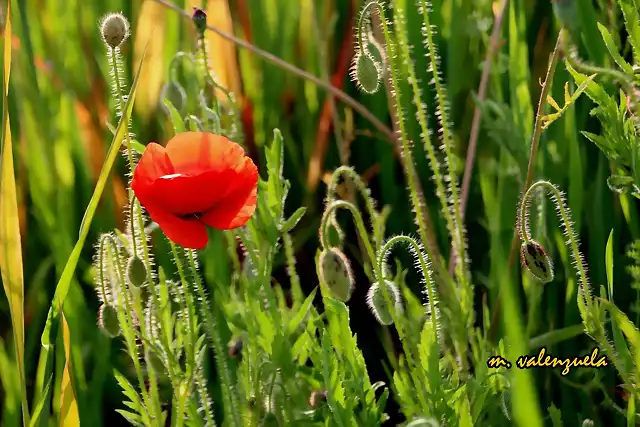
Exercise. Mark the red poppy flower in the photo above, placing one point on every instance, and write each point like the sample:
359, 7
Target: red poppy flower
198, 179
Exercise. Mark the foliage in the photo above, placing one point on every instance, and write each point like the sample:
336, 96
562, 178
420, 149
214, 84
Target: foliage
307, 314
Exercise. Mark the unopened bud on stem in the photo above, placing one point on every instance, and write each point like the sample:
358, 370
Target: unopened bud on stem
335, 272
114, 29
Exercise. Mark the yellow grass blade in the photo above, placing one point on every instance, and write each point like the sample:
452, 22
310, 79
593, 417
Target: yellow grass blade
10, 245
152, 15
69, 415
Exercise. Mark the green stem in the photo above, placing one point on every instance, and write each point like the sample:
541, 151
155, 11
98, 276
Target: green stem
113, 56
228, 390
126, 321
564, 215
357, 219
412, 176
364, 192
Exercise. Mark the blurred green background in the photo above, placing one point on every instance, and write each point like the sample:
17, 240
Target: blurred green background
59, 106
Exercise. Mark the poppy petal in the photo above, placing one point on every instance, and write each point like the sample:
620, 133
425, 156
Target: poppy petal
196, 152
185, 194
153, 164
187, 232
234, 211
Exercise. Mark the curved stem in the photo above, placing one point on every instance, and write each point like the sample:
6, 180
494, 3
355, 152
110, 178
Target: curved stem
364, 191
564, 215
357, 218
297, 71
424, 261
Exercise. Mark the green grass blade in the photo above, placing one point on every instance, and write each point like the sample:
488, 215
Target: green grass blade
62, 287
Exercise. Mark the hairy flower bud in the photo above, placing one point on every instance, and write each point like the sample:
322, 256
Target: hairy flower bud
335, 272
536, 260
114, 29
366, 72
380, 306
136, 272
317, 397
235, 348
588, 423
108, 321
199, 18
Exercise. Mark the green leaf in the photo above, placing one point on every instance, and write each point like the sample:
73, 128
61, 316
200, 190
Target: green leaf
618, 339
293, 220
556, 416
37, 410
556, 336
302, 313
62, 288
627, 327
613, 50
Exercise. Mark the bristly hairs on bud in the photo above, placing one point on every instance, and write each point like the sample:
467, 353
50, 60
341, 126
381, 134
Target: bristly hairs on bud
384, 301
586, 304
334, 270
369, 60
423, 266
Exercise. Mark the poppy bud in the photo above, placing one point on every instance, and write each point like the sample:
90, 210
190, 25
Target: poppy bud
114, 29
378, 303
366, 72
199, 19
136, 271
535, 259
235, 348
317, 397
108, 321
588, 423
173, 92
335, 271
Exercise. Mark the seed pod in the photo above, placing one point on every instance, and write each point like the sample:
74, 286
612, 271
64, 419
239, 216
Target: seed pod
335, 272
136, 271
535, 259
317, 398
114, 29
365, 72
379, 305
108, 321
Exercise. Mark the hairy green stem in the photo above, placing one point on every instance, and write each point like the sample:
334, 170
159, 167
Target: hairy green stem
228, 389
298, 72
357, 219
410, 169
365, 193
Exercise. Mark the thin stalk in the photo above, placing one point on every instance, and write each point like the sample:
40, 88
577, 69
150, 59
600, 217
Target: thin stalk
296, 71
535, 141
